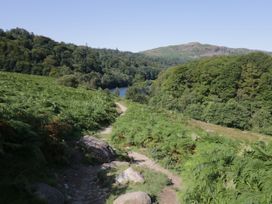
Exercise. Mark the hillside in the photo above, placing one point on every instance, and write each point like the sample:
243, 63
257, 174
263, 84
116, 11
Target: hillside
214, 169
194, 50
24, 52
233, 91
38, 121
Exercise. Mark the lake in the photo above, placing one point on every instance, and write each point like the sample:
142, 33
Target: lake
122, 90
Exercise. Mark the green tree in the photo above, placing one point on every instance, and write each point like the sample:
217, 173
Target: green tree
69, 80
117, 91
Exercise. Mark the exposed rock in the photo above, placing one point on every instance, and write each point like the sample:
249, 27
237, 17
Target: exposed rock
99, 150
195, 137
129, 175
48, 193
114, 164
133, 198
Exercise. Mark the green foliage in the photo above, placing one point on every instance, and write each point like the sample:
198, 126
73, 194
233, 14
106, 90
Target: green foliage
156, 130
117, 91
139, 92
38, 118
261, 121
154, 182
230, 91
69, 80
214, 169
24, 52
226, 172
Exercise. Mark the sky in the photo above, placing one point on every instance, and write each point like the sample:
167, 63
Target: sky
137, 25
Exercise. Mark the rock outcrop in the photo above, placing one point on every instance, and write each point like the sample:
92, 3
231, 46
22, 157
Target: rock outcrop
129, 175
48, 194
99, 150
133, 198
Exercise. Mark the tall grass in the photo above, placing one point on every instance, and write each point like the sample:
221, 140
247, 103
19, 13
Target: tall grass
214, 169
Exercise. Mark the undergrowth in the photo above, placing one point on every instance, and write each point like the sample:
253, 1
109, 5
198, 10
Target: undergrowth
214, 169
38, 120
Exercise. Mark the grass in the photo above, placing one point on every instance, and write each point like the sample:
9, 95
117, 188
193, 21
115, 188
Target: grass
230, 132
214, 169
153, 185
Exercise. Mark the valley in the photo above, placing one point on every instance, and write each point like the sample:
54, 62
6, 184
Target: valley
82, 125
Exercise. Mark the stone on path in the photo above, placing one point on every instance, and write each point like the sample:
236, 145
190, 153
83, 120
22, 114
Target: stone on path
99, 149
129, 175
133, 198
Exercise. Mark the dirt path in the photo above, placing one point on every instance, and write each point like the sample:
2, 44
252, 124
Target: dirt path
168, 195
121, 107
80, 185
230, 132
108, 130
143, 160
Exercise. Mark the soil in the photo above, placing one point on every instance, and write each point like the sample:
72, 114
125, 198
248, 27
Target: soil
80, 185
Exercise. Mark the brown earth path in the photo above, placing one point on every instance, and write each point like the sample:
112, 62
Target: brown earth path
80, 185
168, 195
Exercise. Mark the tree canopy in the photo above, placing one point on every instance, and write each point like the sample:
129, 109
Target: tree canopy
24, 52
233, 91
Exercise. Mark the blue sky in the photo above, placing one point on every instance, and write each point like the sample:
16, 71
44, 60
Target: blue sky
136, 25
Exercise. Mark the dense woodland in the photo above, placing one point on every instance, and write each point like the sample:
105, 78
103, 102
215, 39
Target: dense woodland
24, 52
233, 91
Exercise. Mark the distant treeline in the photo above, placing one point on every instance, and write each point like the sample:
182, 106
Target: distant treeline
24, 52
233, 91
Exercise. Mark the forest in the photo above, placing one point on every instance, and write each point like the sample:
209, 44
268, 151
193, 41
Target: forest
233, 91
24, 52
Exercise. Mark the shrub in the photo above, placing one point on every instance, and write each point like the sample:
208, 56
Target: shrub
231, 89
69, 80
38, 118
214, 169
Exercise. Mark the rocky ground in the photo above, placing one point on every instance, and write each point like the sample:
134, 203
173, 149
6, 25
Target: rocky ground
80, 183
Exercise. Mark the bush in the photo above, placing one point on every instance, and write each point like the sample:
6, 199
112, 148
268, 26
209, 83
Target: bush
38, 118
261, 121
214, 169
69, 80
231, 89
139, 92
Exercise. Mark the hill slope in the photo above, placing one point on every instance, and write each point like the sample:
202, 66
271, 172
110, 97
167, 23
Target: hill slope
24, 52
234, 91
38, 120
214, 169
194, 50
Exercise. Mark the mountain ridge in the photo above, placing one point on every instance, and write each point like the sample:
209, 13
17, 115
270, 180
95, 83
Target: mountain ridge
195, 50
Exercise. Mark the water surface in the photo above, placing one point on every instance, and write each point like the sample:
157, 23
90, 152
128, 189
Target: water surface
122, 91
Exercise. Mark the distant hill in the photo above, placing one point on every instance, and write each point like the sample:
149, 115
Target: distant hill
194, 50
